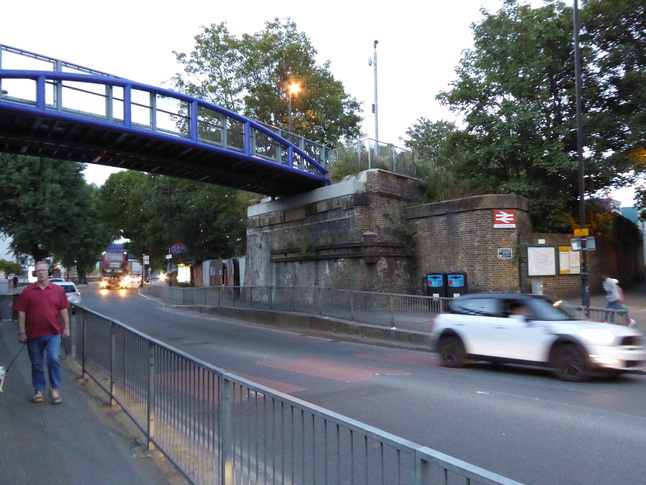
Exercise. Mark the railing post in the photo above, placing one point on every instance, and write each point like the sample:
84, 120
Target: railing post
352, 305
127, 106
150, 396
193, 121
84, 342
153, 111
391, 301
113, 351
246, 137
226, 431
41, 94
109, 102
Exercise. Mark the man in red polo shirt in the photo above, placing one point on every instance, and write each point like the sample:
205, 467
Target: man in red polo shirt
42, 320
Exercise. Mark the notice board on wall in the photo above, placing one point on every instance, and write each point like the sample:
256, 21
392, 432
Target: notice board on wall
541, 261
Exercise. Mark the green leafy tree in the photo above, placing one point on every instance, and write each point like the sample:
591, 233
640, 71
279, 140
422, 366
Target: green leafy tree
90, 236
615, 32
251, 75
49, 211
437, 159
9, 267
153, 212
515, 93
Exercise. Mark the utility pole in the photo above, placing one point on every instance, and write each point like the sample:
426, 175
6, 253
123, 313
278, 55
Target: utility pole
585, 280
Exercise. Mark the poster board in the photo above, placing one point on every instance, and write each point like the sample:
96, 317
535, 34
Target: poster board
541, 261
569, 261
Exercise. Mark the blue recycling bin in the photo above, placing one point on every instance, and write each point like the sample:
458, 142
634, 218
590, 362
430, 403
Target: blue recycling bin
436, 284
456, 284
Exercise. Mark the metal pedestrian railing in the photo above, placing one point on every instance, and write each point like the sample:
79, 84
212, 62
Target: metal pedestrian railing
218, 428
405, 312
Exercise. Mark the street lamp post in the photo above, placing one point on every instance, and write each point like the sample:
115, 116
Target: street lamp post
292, 90
585, 280
375, 107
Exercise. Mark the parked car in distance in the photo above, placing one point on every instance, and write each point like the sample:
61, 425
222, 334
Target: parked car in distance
56, 280
534, 330
72, 292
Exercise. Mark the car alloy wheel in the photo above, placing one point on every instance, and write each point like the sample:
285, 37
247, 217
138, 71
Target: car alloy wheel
570, 363
452, 352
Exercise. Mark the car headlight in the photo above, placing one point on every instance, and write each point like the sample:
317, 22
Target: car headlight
598, 336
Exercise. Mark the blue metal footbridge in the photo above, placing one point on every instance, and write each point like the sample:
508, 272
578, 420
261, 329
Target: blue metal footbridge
70, 112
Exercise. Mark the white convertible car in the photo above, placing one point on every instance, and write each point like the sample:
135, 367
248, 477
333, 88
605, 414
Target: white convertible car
534, 330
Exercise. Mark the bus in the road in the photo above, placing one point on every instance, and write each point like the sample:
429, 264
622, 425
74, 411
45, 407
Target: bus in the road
114, 268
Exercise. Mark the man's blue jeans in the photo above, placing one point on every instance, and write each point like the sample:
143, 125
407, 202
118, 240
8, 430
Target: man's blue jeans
615, 305
46, 348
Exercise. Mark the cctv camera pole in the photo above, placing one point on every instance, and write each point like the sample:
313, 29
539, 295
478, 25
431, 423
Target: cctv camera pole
375, 107
585, 282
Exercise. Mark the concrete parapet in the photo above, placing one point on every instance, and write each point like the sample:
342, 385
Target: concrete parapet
322, 326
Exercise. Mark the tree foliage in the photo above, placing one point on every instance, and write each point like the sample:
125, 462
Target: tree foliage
437, 159
154, 212
49, 211
251, 74
515, 92
9, 267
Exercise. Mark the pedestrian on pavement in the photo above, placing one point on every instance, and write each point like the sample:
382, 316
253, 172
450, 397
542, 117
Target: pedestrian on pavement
42, 320
613, 293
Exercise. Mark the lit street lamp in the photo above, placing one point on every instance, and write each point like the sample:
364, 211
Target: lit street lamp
293, 89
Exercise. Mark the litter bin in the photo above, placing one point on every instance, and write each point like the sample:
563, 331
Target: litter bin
456, 284
436, 284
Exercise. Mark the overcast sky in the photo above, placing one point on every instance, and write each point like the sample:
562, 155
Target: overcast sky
420, 43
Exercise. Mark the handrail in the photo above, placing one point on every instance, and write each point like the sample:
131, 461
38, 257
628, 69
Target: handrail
193, 116
321, 153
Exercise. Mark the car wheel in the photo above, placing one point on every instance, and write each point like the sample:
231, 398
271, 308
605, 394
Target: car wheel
570, 363
452, 352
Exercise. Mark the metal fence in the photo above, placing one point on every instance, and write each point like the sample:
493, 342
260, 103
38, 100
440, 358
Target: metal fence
405, 312
220, 428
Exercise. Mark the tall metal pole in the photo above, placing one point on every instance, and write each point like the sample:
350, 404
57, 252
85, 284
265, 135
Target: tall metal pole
585, 280
375, 107
290, 111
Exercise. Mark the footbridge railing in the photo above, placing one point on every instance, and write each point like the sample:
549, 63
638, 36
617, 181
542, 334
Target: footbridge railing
12, 58
138, 106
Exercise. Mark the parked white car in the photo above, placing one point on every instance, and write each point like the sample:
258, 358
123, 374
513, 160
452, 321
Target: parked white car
72, 292
534, 330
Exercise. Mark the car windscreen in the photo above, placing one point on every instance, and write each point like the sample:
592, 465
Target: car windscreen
543, 309
69, 288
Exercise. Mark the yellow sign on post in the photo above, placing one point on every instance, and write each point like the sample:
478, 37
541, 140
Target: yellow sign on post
581, 232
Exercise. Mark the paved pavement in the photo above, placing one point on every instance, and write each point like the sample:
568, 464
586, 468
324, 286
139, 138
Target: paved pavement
80, 441
84, 440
